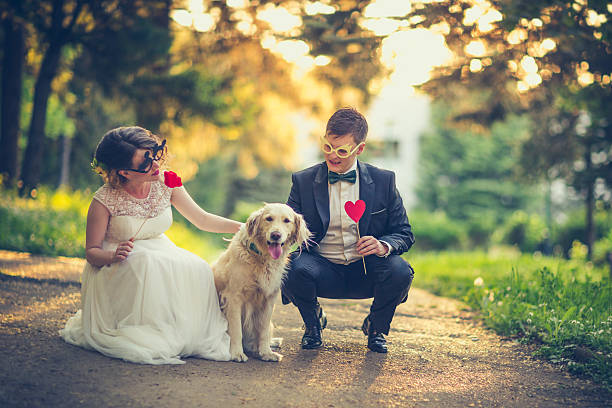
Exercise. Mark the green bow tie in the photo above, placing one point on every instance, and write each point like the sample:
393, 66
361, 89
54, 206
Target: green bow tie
334, 177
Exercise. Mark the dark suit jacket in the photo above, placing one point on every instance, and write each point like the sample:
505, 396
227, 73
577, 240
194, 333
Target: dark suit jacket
384, 218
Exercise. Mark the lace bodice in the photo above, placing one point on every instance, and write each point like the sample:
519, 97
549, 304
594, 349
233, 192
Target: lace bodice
119, 202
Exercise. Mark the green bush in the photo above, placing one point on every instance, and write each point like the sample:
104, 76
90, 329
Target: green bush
526, 231
480, 229
52, 225
435, 231
602, 250
574, 229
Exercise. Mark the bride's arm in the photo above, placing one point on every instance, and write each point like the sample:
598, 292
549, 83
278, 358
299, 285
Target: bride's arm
97, 222
182, 201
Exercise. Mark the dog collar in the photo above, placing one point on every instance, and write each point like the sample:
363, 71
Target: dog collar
253, 248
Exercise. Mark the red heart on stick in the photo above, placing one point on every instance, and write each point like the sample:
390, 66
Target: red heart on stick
355, 209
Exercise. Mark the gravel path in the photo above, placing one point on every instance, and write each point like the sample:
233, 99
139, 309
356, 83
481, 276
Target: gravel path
439, 355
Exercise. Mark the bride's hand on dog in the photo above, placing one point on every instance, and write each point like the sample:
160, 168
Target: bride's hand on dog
368, 245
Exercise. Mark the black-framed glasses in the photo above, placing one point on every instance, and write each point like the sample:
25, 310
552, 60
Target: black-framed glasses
156, 154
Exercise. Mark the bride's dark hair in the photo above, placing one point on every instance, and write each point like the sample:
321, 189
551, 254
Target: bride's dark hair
116, 150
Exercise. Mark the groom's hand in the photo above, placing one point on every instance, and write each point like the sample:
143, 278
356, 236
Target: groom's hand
368, 245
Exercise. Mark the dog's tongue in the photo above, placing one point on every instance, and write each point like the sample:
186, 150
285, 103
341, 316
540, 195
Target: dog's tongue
275, 250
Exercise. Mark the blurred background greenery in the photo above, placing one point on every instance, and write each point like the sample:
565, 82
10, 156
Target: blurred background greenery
511, 173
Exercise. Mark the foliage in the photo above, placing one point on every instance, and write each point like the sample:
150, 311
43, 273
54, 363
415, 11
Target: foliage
547, 60
435, 231
54, 224
572, 229
226, 87
562, 306
220, 188
527, 231
354, 51
470, 175
602, 252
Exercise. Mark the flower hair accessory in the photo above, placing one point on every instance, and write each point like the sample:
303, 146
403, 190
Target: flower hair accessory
96, 165
171, 179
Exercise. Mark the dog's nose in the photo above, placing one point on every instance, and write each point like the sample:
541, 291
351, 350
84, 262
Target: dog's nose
275, 235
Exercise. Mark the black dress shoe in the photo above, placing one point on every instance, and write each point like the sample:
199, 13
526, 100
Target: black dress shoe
312, 338
377, 342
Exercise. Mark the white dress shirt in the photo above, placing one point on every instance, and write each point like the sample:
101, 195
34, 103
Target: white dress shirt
340, 242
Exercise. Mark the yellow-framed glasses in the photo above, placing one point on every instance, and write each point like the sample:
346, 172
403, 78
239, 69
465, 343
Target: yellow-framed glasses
342, 152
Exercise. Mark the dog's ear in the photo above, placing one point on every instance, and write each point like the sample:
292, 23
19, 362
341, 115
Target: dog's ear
300, 232
252, 222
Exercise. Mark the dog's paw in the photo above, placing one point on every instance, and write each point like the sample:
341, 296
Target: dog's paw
238, 356
271, 356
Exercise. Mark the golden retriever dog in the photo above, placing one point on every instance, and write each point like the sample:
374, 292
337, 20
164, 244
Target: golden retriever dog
248, 277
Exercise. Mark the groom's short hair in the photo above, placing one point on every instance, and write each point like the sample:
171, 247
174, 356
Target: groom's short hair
348, 121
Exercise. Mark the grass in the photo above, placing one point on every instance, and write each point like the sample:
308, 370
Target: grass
562, 306
51, 225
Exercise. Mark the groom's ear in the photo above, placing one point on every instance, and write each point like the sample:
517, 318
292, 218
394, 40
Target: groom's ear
361, 148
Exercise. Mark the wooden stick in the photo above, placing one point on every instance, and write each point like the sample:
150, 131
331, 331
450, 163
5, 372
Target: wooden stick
142, 225
362, 257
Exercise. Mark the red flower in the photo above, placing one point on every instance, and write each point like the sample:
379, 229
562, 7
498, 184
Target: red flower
171, 179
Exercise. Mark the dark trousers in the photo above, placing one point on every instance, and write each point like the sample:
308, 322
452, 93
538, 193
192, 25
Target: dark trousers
311, 276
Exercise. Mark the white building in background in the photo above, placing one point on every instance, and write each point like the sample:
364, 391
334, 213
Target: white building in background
396, 122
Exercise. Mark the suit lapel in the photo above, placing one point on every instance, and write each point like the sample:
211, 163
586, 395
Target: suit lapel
366, 193
321, 196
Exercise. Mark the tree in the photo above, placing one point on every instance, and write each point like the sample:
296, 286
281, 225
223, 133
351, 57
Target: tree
12, 77
260, 91
548, 59
57, 32
59, 23
470, 175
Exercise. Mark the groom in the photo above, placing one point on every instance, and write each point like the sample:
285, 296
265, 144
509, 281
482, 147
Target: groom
334, 267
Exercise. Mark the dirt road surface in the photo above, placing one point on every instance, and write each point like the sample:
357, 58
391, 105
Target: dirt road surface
439, 356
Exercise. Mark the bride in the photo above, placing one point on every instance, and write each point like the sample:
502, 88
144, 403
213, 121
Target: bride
143, 299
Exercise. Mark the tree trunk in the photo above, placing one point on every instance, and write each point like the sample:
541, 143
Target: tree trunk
590, 203
66, 146
12, 79
32, 159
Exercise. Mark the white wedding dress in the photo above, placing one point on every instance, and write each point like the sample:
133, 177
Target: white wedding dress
160, 303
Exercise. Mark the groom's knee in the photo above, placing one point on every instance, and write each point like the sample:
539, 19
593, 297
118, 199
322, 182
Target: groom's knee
302, 267
401, 273
299, 271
